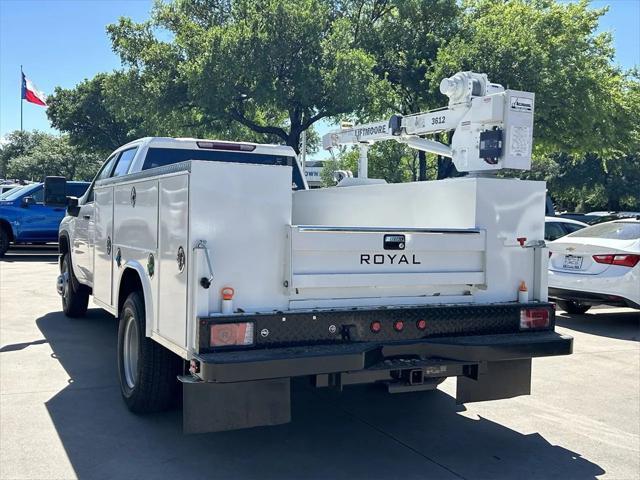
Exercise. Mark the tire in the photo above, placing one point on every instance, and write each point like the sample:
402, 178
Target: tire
572, 307
4, 241
75, 296
147, 371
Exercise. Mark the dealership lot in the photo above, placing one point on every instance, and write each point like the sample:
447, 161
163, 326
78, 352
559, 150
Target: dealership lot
62, 417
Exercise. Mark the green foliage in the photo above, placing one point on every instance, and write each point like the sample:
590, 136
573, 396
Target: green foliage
16, 144
392, 161
552, 49
266, 70
88, 114
590, 183
404, 37
273, 66
33, 156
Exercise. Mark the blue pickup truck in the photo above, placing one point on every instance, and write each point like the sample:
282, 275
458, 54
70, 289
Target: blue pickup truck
24, 218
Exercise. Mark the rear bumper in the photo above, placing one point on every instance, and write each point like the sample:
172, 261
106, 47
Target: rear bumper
437, 357
591, 298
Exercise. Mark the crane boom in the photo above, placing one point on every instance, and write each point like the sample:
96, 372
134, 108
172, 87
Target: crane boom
493, 127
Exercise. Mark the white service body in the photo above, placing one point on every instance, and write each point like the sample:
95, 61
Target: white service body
311, 249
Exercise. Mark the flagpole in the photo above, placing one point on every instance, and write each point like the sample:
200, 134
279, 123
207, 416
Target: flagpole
21, 102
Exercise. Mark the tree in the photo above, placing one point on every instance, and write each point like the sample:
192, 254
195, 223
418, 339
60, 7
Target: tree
404, 37
392, 161
33, 156
273, 66
16, 144
88, 114
109, 110
552, 49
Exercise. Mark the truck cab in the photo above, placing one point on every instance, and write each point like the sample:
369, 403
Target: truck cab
24, 218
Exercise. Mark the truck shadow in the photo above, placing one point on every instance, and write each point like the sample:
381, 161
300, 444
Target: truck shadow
623, 325
362, 433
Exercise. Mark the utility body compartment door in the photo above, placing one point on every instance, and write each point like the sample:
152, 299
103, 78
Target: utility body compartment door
103, 245
173, 257
357, 262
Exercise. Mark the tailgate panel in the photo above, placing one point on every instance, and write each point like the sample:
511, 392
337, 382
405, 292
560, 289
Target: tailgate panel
343, 262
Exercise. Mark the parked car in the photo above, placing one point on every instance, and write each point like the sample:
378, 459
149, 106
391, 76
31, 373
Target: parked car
25, 219
556, 227
581, 217
597, 265
621, 214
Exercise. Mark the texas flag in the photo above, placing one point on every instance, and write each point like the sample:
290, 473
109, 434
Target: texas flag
31, 94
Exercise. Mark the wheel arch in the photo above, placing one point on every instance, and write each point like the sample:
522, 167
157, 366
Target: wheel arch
134, 278
64, 245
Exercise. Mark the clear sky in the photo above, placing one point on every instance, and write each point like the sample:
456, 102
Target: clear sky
62, 42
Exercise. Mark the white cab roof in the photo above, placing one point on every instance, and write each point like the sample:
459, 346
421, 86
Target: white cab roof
191, 144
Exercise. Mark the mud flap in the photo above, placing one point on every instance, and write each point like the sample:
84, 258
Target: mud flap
504, 379
216, 407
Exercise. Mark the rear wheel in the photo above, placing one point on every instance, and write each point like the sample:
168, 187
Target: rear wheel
4, 241
570, 306
75, 296
146, 369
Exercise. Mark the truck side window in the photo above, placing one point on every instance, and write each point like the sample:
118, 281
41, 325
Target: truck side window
76, 189
38, 195
105, 172
124, 162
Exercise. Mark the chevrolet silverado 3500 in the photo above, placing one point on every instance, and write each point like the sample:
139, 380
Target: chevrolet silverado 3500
229, 277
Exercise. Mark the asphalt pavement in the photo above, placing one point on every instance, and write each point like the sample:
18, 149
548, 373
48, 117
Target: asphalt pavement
61, 415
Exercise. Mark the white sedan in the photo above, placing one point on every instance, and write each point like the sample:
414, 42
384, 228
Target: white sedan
596, 265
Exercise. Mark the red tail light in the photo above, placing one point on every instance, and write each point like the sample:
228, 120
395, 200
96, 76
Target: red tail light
228, 334
398, 325
532, 318
626, 260
375, 326
621, 260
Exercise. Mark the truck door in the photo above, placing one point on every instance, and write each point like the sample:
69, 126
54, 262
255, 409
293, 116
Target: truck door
40, 222
84, 228
103, 251
103, 235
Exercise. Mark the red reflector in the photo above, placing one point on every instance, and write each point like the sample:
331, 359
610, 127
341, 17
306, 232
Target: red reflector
421, 324
227, 334
534, 318
376, 326
238, 147
398, 325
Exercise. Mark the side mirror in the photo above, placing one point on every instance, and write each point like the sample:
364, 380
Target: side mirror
73, 208
55, 191
28, 201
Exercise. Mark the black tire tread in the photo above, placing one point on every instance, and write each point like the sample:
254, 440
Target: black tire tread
4, 240
157, 387
79, 294
572, 307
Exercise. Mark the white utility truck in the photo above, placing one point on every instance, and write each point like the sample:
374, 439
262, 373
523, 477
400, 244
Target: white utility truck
230, 277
